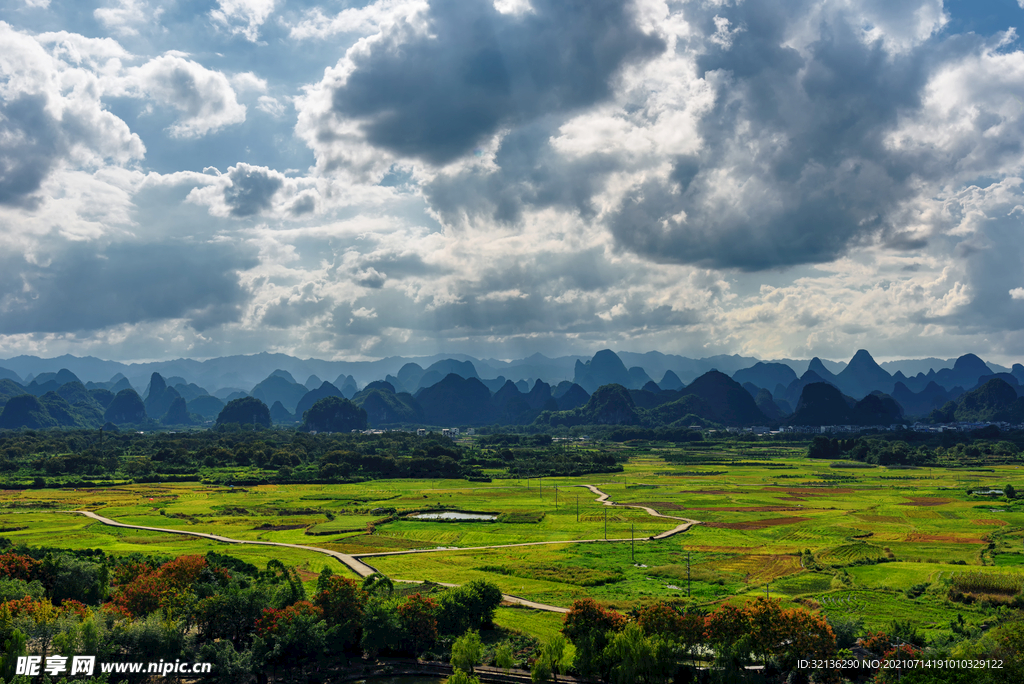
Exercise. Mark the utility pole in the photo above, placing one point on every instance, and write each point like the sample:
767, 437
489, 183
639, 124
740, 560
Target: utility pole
632, 544
556, 497
606, 524
687, 574
577, 508
766, 594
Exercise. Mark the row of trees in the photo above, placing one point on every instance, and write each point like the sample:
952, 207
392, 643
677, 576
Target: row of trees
71, 457
885, 452
218, 609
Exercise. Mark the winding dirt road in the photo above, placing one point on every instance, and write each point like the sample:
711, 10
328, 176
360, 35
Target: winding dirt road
353, 562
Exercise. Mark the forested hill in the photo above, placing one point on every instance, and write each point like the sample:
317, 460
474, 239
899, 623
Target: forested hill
603, 391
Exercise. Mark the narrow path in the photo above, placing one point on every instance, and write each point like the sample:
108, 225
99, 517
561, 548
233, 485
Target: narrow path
602, 498
357, 566
353, 562
360, 568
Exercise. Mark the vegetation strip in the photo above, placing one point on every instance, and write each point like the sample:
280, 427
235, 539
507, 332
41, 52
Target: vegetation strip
360, 568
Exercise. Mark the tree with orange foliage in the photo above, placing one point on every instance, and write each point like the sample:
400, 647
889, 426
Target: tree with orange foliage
725, 627
876, 642
417, 615
589, 627
660, 619
16, 566
342, 602
894, 674
802, 634
168, 586
292, 636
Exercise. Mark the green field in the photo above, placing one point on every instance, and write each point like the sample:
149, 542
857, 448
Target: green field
844, 541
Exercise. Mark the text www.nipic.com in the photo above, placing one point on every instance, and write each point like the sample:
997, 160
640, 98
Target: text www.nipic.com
162, 668
33, 665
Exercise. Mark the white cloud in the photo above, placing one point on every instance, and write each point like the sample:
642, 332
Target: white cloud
205, 98
125, 16
513, 6
243, 16
248, 191
367, 20
51, 115
271, 105
248, 81
1017, 293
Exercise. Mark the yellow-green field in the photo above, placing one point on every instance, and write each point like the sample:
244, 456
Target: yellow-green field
813, 534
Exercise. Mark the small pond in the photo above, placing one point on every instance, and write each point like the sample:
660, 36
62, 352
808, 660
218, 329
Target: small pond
454, 515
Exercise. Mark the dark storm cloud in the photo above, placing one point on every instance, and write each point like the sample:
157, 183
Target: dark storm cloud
798, 146
125, 283
529, 174
436, 96
30, 145
252, 190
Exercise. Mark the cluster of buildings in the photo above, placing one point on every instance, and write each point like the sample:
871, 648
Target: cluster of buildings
845, 429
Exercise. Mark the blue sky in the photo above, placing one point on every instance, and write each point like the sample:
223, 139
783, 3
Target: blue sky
350, 180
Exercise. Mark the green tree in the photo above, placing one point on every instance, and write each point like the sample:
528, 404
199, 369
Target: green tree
378, 584
541, 670
1010, 492
381, 630
460, 677
503, 656
638, 659
467, 651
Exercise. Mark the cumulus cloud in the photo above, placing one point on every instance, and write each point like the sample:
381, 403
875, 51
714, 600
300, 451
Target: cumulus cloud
244, 17
251, 189
246, 190
369, 19
125, 16
772, 177
205, 98
434, 90
50, 115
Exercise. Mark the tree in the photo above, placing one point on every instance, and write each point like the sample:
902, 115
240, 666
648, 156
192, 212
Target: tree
342, 603
639, 659
553, 653
589, 627
541, 670
1010, 492
417, 616
378, 584
460, 677
503, 656
287, 636
380, 628
466, 651
245, 411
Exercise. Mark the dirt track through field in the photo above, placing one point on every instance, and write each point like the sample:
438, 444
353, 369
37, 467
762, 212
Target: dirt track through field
353, 562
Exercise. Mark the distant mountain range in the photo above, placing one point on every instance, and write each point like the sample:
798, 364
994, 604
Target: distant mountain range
466, 391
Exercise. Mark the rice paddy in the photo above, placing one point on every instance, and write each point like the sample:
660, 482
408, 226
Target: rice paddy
851, 546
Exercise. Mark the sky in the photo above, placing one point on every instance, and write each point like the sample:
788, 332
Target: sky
354, 180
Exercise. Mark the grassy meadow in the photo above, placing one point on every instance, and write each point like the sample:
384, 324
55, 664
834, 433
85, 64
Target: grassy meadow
872, 543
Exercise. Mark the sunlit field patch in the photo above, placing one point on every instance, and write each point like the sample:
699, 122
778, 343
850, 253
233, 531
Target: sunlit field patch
760, 522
